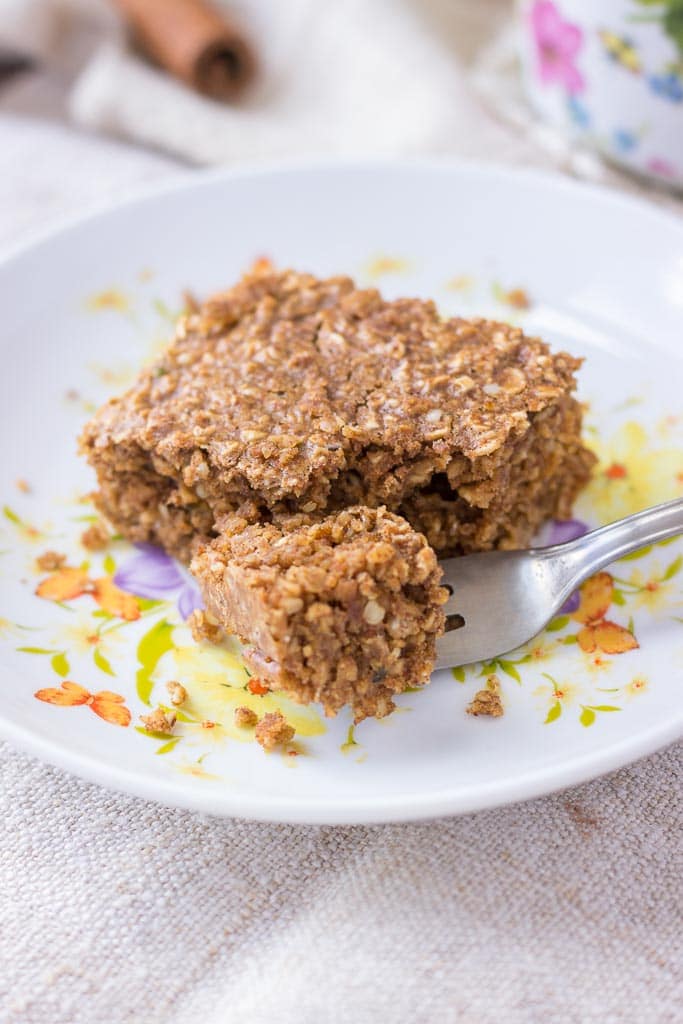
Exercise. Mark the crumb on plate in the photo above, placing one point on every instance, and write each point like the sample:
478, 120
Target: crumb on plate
273, 730
96, 537
518, 298
50, 561
245, 718
159, 720
176, 692
487, 701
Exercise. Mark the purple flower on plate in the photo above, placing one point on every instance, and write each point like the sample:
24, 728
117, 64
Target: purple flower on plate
562, 530
154, 574
571, 604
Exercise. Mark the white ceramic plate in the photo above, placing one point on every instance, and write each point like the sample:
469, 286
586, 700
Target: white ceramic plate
85, 307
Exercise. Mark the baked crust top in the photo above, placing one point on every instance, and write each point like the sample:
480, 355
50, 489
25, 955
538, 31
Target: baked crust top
286, 381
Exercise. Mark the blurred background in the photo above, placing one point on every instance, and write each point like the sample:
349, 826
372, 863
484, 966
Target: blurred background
576, 85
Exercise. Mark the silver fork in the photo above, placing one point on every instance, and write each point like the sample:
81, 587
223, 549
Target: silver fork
501, 599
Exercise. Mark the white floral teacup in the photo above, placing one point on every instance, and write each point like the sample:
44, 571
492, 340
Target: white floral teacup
610, 71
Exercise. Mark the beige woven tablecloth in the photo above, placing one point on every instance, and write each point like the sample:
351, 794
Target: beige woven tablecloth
566, 910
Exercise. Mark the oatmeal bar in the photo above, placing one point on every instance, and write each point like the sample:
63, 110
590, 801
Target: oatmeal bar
292, 394
343, 610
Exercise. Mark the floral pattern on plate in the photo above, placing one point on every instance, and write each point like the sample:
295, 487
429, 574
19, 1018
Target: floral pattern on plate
136, 599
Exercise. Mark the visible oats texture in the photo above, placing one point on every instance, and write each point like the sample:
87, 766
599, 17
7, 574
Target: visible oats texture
290, 395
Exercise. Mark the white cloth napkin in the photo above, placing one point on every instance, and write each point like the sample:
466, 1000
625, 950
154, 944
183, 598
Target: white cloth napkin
115, 911
336, 78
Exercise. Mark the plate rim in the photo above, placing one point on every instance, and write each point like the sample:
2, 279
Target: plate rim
187, 178
349, 810
229, 803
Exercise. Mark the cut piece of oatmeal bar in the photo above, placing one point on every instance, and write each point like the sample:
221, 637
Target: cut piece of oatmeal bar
292, 394
343, 610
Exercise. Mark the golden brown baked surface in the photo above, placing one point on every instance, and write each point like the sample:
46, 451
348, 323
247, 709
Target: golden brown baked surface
289, 393
300, 436
343, 610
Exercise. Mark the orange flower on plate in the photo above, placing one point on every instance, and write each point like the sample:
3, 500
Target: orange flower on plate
68, 583
106, 704
606, 636
115, 601
595, 598
599, 633
64, 584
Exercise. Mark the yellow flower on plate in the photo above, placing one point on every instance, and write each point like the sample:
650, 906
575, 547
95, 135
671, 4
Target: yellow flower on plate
669, 425
217, 683
196, 771
537, 650
566, 693
654, 591
82, 637
638, 685
386, 264
631, 475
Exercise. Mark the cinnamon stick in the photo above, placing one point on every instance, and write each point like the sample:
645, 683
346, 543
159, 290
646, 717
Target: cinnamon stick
194, 42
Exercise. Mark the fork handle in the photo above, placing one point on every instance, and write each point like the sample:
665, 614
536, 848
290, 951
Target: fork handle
592, 552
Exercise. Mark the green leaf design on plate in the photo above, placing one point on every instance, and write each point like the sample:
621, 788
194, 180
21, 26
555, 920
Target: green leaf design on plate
666, 542
571, 639
12, 516
146, 604
60, 663
102, 663
603, 707
587, 717
554, 713
180, 715
509, 669
151, 649
558, 623
636, 554
168, 746
674, 568
109, 565
459, 673
34, 650
488, 668
618, 597
156, 735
